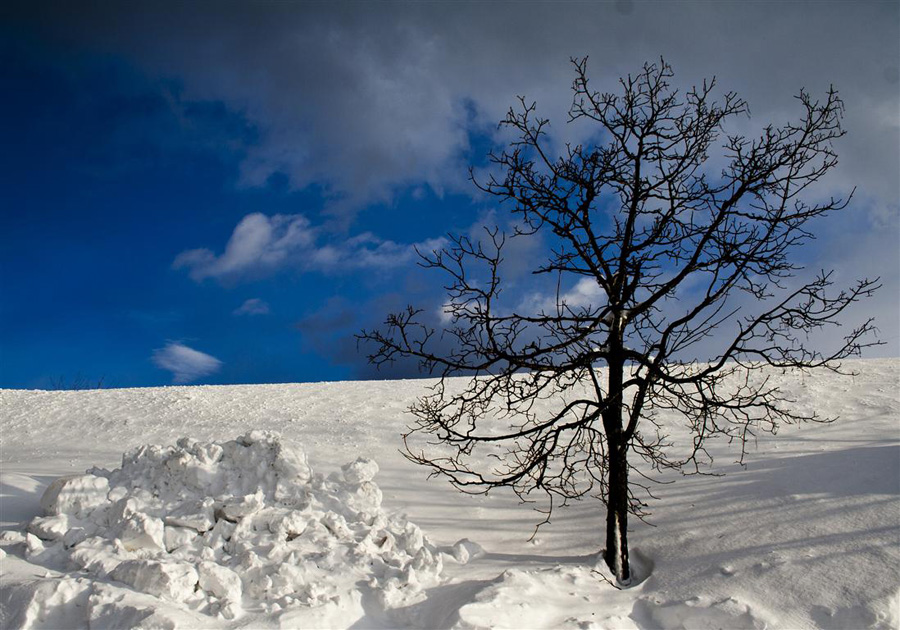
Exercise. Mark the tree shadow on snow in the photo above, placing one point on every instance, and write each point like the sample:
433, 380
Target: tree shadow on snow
865, 472
798, 509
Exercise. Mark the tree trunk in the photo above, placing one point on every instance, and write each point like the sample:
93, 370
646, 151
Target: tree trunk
616, 554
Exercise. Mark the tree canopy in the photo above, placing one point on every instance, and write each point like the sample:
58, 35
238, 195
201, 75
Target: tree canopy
685, 235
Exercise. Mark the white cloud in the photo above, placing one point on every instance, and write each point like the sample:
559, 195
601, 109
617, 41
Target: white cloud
261, 245
253, 306
185, 364
585, 293
445, 313
258, 244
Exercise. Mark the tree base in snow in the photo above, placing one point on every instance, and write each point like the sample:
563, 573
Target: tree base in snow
640, 565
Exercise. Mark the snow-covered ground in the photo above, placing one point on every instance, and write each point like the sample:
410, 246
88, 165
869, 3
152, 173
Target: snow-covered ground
307, 531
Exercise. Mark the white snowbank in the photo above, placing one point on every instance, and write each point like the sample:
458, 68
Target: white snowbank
215, 529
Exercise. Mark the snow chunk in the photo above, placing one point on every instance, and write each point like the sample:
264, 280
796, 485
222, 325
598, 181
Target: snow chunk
363, 469
220, 581
174, 580
199, 516
177, 537
75, 494
49, 527
137, 530
238, 508
465, 550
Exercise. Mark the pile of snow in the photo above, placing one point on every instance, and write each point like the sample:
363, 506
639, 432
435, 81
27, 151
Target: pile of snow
217, 529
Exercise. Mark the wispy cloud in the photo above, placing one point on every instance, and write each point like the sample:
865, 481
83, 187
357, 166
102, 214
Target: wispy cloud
185, 364
262, 244
253, 306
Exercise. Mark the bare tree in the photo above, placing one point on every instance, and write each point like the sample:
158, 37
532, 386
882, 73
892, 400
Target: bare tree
680, 255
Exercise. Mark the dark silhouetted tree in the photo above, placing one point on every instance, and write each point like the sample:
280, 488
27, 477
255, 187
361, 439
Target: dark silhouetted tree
687, 255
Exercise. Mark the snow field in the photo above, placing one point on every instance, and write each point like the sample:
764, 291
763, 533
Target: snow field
805, 535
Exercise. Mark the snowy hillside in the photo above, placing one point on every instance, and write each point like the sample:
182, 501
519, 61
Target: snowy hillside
320, 522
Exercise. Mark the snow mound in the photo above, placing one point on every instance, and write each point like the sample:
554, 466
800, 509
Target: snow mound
220, 530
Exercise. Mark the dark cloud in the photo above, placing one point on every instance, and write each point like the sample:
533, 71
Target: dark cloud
336, 315
330, 331
366, 98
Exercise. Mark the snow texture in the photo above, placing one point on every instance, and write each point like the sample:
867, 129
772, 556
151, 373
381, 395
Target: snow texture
206, 533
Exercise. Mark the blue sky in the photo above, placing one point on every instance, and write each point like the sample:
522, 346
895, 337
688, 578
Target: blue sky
200, 193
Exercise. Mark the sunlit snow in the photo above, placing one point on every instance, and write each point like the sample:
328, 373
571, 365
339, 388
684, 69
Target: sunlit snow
291, 506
